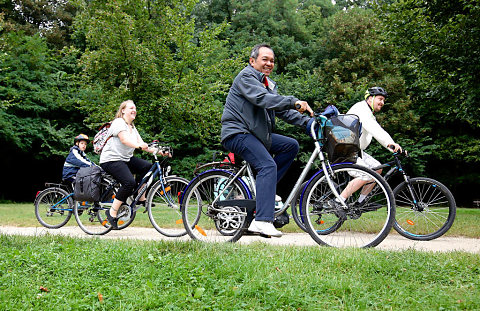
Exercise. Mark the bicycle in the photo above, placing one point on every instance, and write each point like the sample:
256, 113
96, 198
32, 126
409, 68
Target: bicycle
218, 205
162, 203
54, 206
425, 208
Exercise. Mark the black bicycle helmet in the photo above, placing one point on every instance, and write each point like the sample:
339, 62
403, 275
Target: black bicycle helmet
375, 91
80, 138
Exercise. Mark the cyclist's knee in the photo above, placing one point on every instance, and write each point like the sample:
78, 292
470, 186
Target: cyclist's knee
267, 167
129, 185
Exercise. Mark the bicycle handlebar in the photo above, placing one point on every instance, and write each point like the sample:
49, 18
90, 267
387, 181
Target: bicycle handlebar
162, 149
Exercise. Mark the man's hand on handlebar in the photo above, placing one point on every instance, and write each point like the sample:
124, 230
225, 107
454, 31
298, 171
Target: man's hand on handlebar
302, 106
395, 148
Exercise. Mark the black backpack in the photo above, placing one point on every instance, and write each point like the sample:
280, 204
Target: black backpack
87, 184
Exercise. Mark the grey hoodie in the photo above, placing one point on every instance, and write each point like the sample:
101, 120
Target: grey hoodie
251, 107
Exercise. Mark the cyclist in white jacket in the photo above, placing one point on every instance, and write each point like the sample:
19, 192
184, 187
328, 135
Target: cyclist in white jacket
365, 110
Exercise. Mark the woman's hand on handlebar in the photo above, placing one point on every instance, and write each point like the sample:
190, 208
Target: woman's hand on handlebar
164, 153
302, 106
143, 146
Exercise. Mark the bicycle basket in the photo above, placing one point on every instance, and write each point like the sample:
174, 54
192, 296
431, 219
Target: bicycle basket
342, 134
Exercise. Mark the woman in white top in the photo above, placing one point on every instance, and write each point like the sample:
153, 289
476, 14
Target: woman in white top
117, 157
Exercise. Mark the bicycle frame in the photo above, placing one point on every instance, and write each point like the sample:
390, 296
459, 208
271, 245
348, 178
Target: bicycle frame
155, 171
316, 153
395, 169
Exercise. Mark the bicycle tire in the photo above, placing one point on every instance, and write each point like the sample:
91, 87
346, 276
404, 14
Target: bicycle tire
437, 216
360, 225
166, 217
91, 218
53, 207
207, 221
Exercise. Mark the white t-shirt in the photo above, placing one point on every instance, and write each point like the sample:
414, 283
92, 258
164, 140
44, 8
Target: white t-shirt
370, 126
114, 149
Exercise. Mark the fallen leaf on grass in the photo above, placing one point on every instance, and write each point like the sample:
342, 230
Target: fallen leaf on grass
100, 297
198, 292
44, 289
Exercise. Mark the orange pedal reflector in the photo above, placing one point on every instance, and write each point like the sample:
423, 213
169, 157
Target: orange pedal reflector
121, 222
200, 230
104, 222
83, 203
410, 222
180, 221
322, 222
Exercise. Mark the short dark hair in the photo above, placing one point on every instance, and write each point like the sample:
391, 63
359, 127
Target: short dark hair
256, 49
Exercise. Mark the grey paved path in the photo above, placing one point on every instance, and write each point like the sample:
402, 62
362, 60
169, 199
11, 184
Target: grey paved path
392, 242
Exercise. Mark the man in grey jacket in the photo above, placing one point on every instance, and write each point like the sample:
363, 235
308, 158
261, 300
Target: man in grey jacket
248, 122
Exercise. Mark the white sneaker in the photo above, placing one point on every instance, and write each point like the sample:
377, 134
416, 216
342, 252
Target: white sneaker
265, 228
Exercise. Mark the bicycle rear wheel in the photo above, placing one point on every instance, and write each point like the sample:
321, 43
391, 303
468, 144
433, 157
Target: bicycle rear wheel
434, 214
53, 207
212, 208
91, 218
364, 224
163, 205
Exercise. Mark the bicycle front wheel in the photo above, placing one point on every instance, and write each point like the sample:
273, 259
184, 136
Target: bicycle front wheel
53, 207
163, 205
358, 224
212, 209
431, 217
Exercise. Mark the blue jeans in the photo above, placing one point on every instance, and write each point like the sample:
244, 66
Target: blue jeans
269, 169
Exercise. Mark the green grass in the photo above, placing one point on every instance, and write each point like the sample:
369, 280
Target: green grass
23, 215
146, 275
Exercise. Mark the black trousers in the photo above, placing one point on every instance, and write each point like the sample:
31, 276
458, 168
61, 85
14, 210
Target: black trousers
123, 173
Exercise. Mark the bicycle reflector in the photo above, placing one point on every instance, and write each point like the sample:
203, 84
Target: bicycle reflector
410, 222
202, 232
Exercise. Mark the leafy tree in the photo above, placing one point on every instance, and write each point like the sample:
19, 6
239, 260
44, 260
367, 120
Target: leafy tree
150, 52
51, 19
441, 40
35, 111
282, 25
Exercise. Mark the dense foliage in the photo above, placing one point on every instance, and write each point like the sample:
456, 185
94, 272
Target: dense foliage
66, 65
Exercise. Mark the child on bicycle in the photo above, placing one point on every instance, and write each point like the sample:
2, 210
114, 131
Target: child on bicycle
76, 158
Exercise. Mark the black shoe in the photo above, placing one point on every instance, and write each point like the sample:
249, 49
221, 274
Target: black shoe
112, 220
332, 205
335, 207
144, 204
